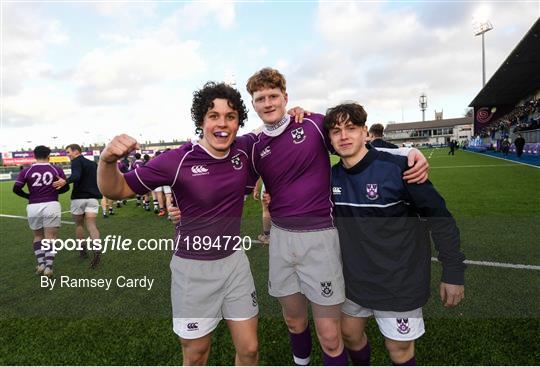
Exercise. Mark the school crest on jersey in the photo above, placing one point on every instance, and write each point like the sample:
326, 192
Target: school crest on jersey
403, 326
254, 298
298, 135
326, 289
237, 162
371, 190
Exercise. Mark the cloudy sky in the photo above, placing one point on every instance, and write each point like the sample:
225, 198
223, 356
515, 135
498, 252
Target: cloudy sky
85, 71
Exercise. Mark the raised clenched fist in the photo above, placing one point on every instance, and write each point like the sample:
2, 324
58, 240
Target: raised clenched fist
120, 146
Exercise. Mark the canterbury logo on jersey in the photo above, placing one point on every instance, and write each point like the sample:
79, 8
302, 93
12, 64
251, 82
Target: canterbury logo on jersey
199, 170
192, 326
266, 151
336, 190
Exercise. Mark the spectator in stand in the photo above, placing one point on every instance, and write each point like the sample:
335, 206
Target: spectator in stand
520, 143
505, 147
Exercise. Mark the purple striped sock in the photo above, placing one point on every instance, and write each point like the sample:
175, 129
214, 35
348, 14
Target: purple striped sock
360, 357
339, 360
301, 346
410, 362
40, 254
49, 259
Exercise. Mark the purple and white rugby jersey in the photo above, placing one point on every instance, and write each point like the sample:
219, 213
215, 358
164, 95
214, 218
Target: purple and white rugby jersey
208, 190
39, 177
294, 163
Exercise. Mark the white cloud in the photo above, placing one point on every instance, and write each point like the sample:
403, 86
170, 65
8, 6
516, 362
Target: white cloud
384, 55
118, 73
26, 37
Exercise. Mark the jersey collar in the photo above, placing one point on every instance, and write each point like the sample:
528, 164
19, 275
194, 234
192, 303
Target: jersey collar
278, 128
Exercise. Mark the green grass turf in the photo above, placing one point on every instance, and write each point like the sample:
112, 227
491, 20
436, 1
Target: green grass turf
496, 205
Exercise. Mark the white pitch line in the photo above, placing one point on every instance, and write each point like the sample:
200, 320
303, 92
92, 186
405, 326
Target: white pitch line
479, 166
506, 160
497, 264
21, 217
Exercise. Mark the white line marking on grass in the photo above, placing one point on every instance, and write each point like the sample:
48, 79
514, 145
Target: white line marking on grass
507, 160
478, 166
21, 217
497, 265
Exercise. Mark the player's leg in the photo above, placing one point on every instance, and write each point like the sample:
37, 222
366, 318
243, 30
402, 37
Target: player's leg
79, 233
244, 336
353, 324
284, 284
51, 223
155, 201
168, 200
295, 314
110, 205
146, 202
196, 297
319, 268
35, 222
50, 233
240, 308
266, 224
195, 352
90, 215
38, 251
104, 207
400, 330
401, 352
328, 326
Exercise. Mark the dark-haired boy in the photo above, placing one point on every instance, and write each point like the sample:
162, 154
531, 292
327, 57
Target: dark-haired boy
208, 180
43, 209
384, 227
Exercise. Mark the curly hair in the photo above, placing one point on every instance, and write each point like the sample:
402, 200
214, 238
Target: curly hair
341, 113
203, 100
266, 78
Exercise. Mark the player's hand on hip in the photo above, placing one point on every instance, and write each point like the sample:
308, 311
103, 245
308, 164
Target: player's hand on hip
298, 113
59, 183
451, 294
117, 148
420, 166
175, 214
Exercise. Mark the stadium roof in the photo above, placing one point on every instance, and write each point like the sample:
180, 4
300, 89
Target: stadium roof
518, 77
431, 124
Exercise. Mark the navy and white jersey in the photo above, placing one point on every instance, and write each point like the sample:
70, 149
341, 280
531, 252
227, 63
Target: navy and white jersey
384, 229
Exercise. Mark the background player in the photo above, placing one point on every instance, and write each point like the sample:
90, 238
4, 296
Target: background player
384, 228
84, 197
376, 137
43, 209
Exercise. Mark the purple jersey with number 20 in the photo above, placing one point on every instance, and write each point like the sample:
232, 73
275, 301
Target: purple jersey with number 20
39, 178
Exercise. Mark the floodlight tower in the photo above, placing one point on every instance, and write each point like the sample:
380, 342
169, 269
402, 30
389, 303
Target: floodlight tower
423, 105
480, 28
